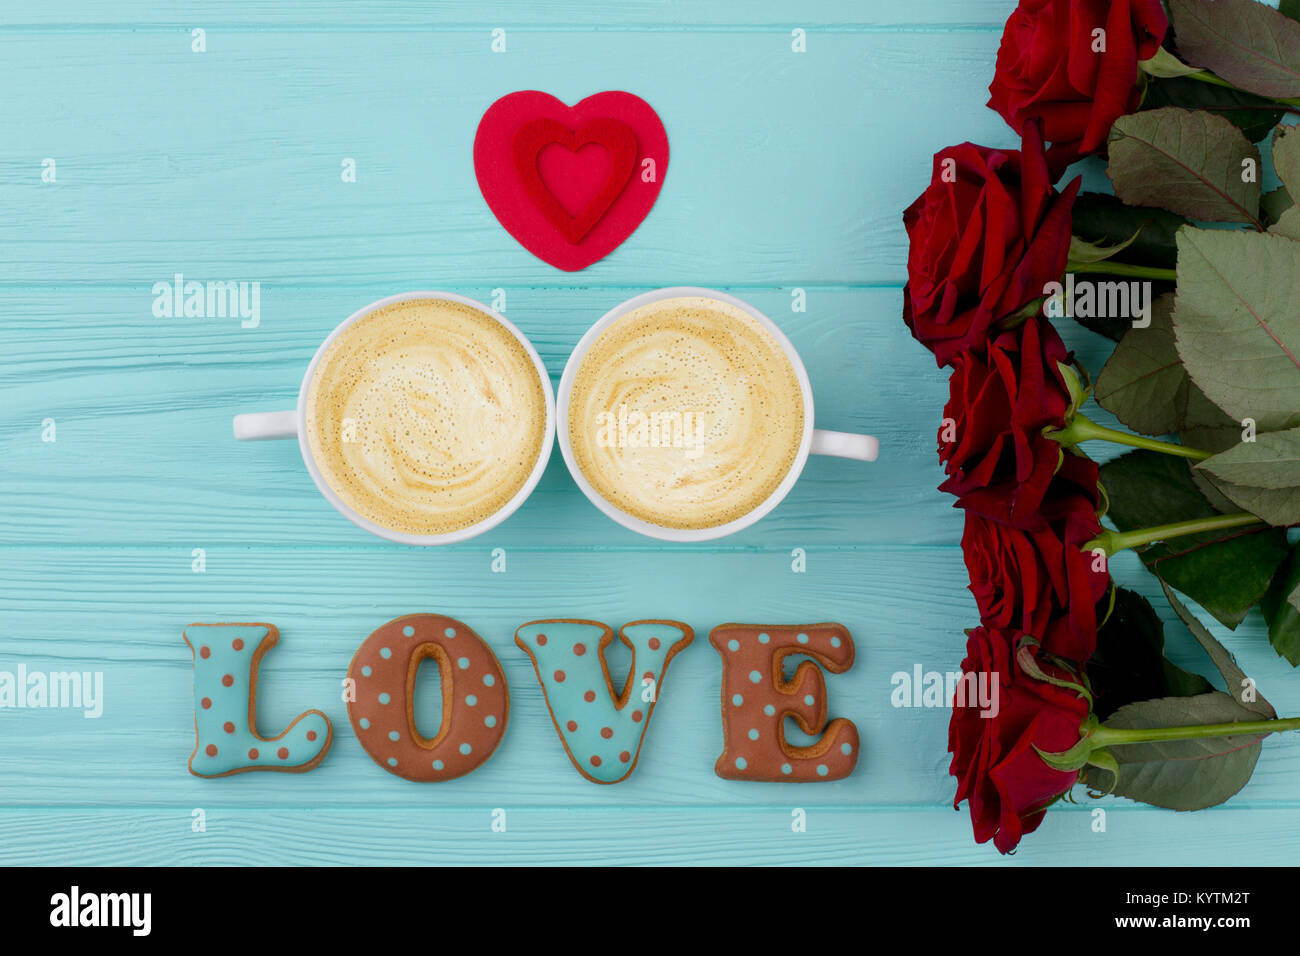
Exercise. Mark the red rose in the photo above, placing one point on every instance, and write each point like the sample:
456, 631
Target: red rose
985, 237
992, 740
992, 436
1051, 66
1040, 581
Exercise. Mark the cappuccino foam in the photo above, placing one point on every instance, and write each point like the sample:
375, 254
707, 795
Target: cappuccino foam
686, 413
426, 416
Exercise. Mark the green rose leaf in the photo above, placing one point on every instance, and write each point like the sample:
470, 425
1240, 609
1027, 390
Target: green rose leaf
1290, 8
1233, 676
1180, 774
1287, 224
1250, 45
1268, 468
1278, 507
1081, 250
1130, 664
1143, 383
1186, 161
1286, 157
1150, 240
1260, 476
1237, 322
1206, 427
1281, 607
1254, 115
1226, 571
1275, 202
1272, 460
1104, 219
1164, 64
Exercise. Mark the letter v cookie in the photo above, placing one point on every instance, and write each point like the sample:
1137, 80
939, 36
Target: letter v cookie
601, 731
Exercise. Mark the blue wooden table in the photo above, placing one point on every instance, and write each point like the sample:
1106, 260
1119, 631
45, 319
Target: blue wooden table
129, 157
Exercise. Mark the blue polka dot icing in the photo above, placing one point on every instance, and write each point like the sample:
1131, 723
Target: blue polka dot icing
474, 688
741, 763
755, 728
602, 728
226, 657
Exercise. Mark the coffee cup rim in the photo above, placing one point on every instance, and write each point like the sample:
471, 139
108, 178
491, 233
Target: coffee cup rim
640, 525
450, 537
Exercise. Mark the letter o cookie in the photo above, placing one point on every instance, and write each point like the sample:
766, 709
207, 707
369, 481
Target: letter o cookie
475, 697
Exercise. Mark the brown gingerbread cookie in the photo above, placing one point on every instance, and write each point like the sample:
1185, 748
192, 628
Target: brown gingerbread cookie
475, 697
756, 699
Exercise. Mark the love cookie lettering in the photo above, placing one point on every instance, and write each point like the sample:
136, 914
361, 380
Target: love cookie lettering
601, 731
475, 697
756, 699
226, 659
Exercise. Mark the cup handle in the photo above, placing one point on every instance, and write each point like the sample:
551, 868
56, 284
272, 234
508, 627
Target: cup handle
845, 445
257, 426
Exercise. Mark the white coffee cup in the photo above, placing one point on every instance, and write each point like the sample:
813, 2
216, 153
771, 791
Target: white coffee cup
815, 441
293, 424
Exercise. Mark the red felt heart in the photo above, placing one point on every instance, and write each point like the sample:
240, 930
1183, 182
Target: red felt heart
570, 183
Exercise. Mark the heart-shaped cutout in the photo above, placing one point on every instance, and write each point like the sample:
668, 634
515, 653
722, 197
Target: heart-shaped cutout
570, 183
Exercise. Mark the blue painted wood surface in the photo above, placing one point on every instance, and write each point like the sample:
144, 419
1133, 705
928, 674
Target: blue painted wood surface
789, 171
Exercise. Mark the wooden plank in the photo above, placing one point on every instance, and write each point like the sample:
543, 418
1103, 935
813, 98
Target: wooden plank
731, 15
1134, 836
786, 168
